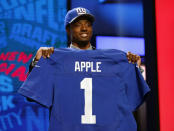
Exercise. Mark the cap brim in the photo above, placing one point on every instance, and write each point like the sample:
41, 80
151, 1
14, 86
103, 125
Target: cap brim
89, 17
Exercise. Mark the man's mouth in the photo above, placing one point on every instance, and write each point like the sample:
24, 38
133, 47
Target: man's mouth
84, 35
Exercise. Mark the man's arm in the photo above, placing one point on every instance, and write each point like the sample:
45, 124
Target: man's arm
133, 58
42, 52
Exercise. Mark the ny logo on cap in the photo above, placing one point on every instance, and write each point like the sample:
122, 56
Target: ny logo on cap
81, 11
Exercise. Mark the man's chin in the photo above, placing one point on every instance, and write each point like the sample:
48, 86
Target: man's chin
82, 43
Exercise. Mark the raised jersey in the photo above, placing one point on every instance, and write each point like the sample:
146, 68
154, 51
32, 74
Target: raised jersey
87, 90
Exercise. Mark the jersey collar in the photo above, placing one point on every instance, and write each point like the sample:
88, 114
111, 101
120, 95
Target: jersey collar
75, 47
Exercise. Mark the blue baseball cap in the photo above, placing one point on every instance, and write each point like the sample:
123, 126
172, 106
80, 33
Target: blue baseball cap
76, 13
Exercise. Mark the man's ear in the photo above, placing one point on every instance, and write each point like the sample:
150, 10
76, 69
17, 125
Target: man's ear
68, 30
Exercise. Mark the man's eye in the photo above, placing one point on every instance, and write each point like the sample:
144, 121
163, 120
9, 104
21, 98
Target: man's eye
77, 25
89, 24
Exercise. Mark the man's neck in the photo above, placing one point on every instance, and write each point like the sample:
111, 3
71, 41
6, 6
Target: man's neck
81, 47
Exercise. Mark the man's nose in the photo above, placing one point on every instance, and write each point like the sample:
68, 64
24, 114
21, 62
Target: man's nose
83, 27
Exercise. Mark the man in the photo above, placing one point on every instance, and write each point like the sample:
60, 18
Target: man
59, 86
78, 24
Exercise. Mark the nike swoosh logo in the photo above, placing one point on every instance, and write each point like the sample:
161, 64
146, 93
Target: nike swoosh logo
37, 66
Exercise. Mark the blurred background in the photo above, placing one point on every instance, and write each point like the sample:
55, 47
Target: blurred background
144, 27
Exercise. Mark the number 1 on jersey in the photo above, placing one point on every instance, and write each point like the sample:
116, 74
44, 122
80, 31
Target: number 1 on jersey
88, 118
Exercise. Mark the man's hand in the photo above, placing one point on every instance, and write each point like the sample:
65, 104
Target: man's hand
133, 58
45, 52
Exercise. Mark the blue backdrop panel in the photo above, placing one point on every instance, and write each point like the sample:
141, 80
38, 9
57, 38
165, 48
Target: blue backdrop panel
133, 44
121, 18
25, 25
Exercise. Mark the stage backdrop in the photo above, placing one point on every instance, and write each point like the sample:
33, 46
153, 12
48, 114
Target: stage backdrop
25, 25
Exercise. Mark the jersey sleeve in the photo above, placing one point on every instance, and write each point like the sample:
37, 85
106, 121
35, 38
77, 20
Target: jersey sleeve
39, 84
136, 87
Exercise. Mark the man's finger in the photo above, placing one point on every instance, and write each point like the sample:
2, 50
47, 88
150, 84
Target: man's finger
52, 49
139, 61
134, 58
43, 53
46, 53
49, 52
129, 56
137, 58
128, 53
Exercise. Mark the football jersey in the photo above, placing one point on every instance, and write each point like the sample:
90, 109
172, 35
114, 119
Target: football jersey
87, 90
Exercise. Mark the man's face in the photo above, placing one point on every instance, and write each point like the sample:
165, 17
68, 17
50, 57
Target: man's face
81, 32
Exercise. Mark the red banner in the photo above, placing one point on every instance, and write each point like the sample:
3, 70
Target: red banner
165, 48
